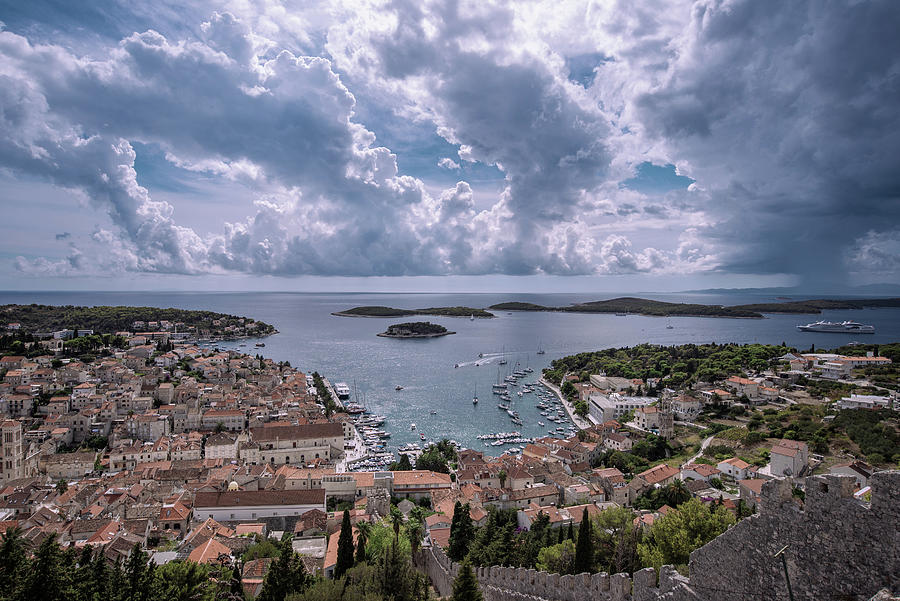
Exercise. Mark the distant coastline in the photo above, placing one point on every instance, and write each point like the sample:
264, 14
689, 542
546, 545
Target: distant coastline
636, 306
378, 311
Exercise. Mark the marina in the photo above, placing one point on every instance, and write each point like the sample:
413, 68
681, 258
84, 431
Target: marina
381, 452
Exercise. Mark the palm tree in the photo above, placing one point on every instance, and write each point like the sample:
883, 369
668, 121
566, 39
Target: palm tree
415, 531
676, 493
363, 530
502, 476
396, 520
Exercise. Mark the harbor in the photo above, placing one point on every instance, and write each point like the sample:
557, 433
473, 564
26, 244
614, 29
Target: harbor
522, 400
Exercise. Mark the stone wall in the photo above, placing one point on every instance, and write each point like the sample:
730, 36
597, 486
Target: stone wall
837, 548
515, 584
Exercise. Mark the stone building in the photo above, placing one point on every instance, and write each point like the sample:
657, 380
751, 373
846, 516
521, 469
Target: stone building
11, 450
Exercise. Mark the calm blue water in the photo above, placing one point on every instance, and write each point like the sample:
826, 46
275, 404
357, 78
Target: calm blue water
347, 349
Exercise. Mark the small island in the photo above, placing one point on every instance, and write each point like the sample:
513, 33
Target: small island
377, 311
415, 329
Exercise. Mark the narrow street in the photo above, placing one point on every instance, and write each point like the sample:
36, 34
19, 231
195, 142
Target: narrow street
703, 445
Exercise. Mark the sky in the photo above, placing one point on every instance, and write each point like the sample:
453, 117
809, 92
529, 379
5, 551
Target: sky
450, 145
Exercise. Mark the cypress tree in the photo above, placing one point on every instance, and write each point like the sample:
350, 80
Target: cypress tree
571, 533
465, 587
345, 547
461, 536
237, 584
562, 536
584, 547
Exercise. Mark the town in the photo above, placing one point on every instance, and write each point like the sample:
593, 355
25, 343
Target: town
163, 443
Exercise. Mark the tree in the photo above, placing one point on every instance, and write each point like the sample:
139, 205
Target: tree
396, 520
286, 575
462, 533
675, 535
139, 576
557, 559
403, 465
345, 547
12, 560
570, 534
61, 486
182, 581
45, 580
465, 587
415, 531
363, 529
584, 547
502, 476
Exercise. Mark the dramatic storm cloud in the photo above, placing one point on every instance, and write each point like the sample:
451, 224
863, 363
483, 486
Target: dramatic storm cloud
459, 138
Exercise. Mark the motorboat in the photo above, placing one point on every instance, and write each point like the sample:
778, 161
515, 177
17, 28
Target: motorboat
398, 387
844, 327
412, 426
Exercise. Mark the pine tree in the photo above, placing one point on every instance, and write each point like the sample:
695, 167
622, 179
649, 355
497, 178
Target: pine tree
45, 579
12, 560
584, 546
465, 587
345, 547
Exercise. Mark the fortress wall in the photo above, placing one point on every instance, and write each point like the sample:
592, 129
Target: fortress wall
837, 548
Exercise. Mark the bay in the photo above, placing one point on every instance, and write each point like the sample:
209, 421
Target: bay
347, 349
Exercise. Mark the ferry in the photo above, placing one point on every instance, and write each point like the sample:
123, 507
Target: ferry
844, 327
342, 391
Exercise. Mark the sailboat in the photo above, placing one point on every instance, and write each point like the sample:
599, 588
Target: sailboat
475, 395
472, 317
540, 350
669, 325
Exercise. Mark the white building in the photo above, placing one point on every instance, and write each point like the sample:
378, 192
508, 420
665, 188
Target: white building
243, 505
789, 458
863, 401
606, 407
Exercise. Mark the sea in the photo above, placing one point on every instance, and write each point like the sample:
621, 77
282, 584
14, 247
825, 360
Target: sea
440, 376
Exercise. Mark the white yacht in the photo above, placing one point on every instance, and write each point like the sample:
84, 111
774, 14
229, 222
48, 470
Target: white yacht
844, 327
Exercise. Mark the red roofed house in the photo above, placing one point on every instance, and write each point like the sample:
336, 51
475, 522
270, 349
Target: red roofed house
212, 551
699, 471
174, 517
734, 468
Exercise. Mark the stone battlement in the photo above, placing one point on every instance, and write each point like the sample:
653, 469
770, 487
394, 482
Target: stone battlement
837, 548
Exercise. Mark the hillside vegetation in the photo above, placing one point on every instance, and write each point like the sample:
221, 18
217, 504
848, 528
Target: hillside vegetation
108, 319
416, 329
676, 365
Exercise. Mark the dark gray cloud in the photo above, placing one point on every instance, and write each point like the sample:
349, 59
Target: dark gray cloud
789, 117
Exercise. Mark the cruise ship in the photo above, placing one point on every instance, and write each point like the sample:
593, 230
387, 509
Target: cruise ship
844, 327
